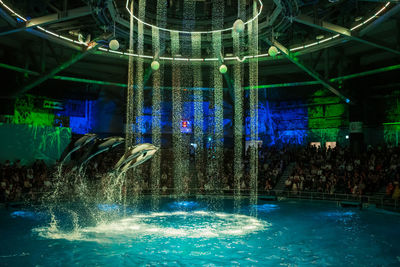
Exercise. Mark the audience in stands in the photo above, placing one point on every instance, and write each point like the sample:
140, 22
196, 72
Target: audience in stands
315, 170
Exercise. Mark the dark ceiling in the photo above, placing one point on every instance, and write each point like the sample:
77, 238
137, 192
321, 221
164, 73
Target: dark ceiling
41, 53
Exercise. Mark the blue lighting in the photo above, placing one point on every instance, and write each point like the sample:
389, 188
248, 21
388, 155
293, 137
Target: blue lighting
338, 214
25, 214
281, 123
80, 115
266, 207
108, 207
341, 216
184, 205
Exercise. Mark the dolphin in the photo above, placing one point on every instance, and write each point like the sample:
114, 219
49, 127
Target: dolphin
135, 156
105, 145
81, 142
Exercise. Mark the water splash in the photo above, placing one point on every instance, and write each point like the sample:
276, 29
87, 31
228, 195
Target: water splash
178, 224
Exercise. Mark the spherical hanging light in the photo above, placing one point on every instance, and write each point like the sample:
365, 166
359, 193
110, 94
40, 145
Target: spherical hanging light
223, 69
114, 45
238, 26
155, 65
273, 51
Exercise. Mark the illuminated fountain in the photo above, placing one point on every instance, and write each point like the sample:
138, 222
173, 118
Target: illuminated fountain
120, 194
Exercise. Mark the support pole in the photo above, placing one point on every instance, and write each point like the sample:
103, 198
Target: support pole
50, 19
56, 70
309, 71
380, 20
329, 27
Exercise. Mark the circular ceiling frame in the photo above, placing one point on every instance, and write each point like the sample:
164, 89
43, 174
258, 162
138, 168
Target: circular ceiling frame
298, 48
192, 32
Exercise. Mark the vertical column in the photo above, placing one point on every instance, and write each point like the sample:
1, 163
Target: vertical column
198, 110
253, 76
130, 93
139, 75
176, 115
189, 12
158, 78
238, 117
218, 21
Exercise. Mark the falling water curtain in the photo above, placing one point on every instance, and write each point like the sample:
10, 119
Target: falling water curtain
176, 116
158, 40
218, 140
238, 47
189, 12
198, 100
253, 76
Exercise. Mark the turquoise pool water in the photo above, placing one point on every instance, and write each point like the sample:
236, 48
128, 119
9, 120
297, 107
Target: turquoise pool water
210, 232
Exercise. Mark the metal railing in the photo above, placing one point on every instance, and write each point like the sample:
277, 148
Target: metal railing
379, 200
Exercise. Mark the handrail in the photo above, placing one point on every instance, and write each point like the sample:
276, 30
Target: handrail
380, 201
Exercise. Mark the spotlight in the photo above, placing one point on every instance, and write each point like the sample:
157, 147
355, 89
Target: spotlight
223, 69
238, 26
114, 45
347, 137
155, 65
273, 51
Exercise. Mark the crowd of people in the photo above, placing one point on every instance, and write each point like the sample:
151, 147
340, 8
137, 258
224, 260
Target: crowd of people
339, 171
329, 171
19, 182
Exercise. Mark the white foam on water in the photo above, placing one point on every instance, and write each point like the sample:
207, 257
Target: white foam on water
198, 224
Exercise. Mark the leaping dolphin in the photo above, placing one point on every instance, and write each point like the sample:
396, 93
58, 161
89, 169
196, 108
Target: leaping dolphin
105, 145
81, 142
135, 156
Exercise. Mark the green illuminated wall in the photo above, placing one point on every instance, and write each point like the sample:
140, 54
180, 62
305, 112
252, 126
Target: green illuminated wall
29, 110
327, 118
30, 142
391, 126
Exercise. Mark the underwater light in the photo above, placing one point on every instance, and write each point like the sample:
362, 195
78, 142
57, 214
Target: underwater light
184, 205
192, 32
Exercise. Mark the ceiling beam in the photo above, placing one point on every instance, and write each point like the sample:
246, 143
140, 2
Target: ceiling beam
50, 19
56, 70
291, 84
329, 27
309, 71
12, 22
394, 10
